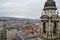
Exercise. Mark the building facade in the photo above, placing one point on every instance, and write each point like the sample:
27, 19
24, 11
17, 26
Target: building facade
23, 36
50, 21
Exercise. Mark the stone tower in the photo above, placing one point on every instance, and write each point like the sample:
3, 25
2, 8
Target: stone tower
49, 21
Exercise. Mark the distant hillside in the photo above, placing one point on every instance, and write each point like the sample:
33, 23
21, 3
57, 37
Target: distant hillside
19, 19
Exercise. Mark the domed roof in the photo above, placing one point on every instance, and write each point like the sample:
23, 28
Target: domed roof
50, 4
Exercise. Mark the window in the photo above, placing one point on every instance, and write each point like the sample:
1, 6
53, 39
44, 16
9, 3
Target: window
44, 27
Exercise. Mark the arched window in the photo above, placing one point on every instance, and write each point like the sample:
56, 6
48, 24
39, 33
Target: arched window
44, 27
54, 27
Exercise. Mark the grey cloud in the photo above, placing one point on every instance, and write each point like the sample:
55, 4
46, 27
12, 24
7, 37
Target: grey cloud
30, 8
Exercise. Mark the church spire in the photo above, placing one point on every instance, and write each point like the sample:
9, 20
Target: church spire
50, 22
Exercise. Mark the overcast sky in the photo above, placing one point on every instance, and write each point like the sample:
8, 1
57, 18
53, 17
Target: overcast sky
23, 8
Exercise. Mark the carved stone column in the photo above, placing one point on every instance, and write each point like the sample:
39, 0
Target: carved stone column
46, 29
41, 27
52, 28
